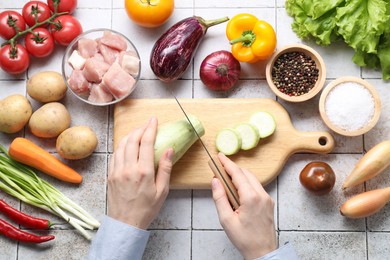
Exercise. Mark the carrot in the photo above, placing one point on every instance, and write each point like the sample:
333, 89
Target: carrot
25, 151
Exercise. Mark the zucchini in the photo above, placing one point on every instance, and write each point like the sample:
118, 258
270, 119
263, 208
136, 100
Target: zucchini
265, 122
228, 141
249, 135
177, 134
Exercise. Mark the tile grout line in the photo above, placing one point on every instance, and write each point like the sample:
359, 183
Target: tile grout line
192, 191
277, 178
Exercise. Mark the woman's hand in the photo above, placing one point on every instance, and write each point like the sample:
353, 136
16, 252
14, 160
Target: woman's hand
135, 192
251, 227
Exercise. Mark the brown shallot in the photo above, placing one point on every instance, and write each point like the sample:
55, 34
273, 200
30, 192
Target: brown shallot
366, 203
375, 161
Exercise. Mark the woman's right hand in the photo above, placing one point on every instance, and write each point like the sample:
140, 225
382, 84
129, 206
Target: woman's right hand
251, 227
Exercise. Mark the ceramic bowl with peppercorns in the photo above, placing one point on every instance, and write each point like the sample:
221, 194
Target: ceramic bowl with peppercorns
296, 73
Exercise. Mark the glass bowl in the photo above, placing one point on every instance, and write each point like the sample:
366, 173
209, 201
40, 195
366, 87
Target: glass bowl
307, 51
81, 87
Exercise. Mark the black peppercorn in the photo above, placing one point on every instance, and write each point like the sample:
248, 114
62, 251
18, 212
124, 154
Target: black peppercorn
294, 73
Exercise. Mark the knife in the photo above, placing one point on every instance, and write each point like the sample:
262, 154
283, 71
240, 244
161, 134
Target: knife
216, 167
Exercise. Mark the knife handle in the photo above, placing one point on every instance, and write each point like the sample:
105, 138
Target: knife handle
226, 181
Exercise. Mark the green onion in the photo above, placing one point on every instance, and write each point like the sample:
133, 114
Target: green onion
20, 181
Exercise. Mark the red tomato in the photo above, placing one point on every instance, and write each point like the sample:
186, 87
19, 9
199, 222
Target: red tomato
67, 29
64, 5
35, 8
41, 44
6, 17
14, 61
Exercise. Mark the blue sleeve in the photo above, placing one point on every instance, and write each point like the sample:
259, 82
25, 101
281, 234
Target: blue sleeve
285, 252
117, 240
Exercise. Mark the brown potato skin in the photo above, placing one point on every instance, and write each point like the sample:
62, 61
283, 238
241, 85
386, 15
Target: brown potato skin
77, 142
318, 177
46, 86
15, 111
50, 120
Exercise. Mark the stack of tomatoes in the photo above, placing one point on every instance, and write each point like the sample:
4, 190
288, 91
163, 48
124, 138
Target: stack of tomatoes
41, 25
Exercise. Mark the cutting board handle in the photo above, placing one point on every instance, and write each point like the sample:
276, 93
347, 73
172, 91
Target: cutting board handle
314, 142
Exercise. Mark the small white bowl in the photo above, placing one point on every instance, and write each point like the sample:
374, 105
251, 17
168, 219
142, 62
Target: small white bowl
94, 34
337, 128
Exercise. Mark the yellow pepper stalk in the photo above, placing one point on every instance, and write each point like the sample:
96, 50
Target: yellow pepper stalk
251, 39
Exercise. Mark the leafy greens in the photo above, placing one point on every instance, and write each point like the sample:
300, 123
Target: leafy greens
362, 24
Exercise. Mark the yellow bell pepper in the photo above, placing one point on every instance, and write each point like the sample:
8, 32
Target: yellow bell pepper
252, 39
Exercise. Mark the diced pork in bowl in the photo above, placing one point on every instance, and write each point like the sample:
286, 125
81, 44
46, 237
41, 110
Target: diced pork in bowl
101, 67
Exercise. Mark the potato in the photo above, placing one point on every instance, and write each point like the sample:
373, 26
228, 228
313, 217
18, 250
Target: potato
50, 120
46, 86
15, 111
76, 143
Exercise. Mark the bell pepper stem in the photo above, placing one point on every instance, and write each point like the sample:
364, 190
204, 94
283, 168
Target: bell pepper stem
247, 38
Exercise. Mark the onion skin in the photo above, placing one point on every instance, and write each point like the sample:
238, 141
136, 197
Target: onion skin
172, 53
220, 71
366, 203
375, 161
318, 177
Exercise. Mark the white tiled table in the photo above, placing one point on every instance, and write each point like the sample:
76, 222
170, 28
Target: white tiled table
187, 227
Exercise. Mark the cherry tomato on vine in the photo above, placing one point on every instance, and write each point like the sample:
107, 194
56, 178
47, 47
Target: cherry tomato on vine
38, 9
40, 43
9, 18
66, 30
63, 6
149, 13
14, 61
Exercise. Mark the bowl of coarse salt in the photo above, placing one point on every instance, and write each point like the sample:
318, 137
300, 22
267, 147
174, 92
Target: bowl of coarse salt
350, 106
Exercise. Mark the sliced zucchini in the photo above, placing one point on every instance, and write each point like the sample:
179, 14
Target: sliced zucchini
265, 122
249, 135
228, 141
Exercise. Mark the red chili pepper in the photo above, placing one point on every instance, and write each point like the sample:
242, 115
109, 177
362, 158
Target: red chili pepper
23, 219
14, 233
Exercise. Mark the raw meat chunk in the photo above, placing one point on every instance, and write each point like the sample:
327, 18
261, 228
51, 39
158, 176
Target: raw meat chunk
94, 69
114, 41
129, 62
87, 47
109, 54
99, 56
76, 60
99, 94
118, 81
78, 83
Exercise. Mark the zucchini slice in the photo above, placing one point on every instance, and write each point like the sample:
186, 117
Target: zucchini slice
265, 122
249, 135
228, 141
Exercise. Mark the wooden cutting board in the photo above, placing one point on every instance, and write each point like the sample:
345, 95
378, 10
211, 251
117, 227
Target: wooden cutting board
192, 171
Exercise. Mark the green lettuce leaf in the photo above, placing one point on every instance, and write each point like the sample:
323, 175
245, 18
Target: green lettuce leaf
384, 55
314, 19
364, 59
361, 23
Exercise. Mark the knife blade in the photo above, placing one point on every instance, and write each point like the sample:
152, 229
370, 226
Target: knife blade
216, 167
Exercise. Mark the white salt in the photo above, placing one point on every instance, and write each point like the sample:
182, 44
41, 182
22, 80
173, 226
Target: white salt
350, 106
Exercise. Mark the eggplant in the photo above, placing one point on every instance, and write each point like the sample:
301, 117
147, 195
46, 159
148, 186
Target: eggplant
172, 53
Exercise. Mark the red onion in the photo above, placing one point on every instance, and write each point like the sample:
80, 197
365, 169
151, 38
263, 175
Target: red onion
220, 70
